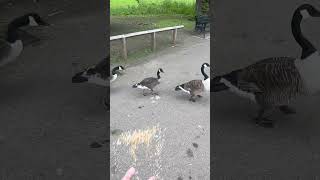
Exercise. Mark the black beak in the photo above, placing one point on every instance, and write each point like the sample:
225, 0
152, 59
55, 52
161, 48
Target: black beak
78, 78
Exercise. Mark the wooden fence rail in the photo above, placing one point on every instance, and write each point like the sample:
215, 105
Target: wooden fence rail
153, 32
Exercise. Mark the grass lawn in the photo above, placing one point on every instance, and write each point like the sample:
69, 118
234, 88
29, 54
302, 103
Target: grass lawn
152, 7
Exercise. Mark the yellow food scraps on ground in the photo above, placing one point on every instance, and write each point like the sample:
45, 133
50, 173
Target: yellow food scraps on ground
136, 138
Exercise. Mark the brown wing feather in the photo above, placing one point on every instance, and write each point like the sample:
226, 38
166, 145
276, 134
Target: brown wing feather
277, 78
194, 86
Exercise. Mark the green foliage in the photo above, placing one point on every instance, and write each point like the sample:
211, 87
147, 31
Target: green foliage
152, 7
205, 7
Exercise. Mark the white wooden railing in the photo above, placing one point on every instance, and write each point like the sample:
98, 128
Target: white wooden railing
153, 32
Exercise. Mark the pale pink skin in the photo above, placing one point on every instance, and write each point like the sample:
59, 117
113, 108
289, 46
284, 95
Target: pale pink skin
131, 172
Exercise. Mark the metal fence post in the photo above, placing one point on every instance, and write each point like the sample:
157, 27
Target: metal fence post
124, 48
153, 41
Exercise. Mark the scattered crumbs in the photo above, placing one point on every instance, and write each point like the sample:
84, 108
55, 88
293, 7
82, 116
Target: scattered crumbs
137, 137
195, 145
139, 144
116, 132
157, 97
190, 153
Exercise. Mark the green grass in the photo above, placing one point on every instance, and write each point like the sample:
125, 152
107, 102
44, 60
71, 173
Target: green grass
152, 7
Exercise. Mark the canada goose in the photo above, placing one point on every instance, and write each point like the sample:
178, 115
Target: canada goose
193, 87
272, 82
98, 74
275, 82
149, 83
196, 87
11, 46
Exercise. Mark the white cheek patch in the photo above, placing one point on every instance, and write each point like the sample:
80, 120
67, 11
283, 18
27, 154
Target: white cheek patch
32, 21
142, 87
184, 90
305, 14
237, 91
114, 77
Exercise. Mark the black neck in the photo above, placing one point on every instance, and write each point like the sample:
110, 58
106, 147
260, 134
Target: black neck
158, 74
307, 47
12, 36
114, 71
13, 27
204, 73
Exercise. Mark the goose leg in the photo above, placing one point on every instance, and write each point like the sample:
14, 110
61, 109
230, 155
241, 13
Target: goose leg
143, 92
287, 109
154, 93
262, 121
192, 98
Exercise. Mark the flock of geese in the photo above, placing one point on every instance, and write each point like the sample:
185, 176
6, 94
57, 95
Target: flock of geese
271, 83
94, 75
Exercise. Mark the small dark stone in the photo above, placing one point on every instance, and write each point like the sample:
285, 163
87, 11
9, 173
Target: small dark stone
95, 145
195, 145
190, 153
190, 177
179, 178
116, 132
140, 107
113, 169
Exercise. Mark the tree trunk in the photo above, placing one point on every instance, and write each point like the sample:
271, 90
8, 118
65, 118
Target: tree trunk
198, 7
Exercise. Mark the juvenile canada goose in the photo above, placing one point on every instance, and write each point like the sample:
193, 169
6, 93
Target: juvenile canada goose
196, 87
275, 82
149, 83
11, 46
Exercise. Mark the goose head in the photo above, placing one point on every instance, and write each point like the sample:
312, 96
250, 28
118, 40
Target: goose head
30, 19
306, 10
160, 70
303, 12
203, 66
35, 20
118, 69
